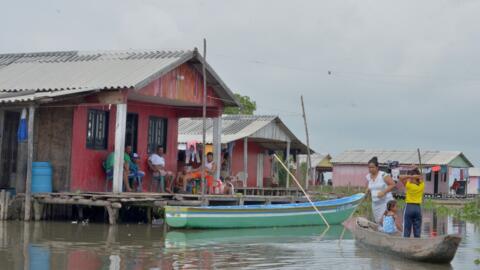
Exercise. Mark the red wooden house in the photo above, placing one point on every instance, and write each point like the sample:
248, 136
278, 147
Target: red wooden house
88, 104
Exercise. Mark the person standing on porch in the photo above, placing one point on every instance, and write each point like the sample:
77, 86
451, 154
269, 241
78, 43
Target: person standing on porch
156, 163
412, 217
380, 187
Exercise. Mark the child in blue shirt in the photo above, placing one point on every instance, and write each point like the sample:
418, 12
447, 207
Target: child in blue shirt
390, 224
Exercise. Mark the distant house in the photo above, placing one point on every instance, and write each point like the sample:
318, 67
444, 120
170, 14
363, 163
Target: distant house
322, 166
250, 138
473, 186
88, 104
350, 167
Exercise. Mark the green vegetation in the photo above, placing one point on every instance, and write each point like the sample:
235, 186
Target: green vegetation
469, 212
248, 106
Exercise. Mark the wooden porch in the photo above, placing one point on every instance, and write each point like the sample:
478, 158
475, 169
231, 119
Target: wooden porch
150, 203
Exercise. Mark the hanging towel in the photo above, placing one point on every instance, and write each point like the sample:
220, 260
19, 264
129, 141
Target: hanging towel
22, 132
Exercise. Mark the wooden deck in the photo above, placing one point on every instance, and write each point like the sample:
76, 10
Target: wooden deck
113, 203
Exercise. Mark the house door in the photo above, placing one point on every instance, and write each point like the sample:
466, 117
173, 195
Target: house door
131, 132
9, 148
260, 170
436, 179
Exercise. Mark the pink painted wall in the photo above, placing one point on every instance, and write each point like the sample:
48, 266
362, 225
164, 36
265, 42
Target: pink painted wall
253, 150
343, 175
473, 185
353, 175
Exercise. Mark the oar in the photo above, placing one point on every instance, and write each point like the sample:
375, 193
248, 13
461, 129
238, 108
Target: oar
304, 192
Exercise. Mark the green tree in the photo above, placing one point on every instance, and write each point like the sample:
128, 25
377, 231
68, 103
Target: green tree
248, 106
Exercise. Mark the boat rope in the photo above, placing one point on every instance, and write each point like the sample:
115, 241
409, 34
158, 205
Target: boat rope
301, 188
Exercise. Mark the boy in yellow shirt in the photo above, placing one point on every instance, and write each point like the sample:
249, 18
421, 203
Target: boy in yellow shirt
414, 188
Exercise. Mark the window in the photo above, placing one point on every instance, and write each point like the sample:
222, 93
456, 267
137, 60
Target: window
157, 133
131, 132
97, 129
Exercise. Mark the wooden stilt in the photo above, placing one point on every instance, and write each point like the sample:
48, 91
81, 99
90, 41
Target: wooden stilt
28, 185
38, 210
112, 215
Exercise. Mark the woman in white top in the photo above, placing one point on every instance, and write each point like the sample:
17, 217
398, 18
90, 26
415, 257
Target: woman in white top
380, 187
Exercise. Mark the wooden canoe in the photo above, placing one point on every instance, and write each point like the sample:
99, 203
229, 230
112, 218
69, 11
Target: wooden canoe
439, 249
273, 215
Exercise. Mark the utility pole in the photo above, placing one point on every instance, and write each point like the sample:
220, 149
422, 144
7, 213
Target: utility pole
309, 159
204, 114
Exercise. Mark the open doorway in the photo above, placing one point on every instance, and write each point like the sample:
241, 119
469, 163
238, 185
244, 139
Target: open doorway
9, 148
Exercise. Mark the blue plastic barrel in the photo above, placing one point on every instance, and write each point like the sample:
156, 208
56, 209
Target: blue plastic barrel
41, 177
39, 257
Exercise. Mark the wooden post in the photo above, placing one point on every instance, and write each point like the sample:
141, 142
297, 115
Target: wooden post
28, 184
204, 114
287, 159
309, 159
120, 127
245, 161
21, 164
217, 144
2, 130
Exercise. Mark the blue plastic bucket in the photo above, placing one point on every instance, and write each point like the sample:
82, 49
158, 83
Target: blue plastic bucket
41, 177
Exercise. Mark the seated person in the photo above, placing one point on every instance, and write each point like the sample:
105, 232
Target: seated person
126, 169
210, 168
180, 183
156, 163
390, 223
135, 173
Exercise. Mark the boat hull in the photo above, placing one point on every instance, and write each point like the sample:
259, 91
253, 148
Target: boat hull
439, 249
302, 214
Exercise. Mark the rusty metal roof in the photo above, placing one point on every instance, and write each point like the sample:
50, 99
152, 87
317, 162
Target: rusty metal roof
402, 156
88, 71
267, 129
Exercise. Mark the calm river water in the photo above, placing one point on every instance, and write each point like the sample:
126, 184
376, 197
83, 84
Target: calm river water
55, 245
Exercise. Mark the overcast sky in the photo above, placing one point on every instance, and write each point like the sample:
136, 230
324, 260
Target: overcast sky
404, 74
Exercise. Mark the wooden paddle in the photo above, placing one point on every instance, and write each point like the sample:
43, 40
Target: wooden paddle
301, 188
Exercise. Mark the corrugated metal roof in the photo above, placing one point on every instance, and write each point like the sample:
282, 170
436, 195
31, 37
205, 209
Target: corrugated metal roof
76, 70
474, 172
402, 156
234, 127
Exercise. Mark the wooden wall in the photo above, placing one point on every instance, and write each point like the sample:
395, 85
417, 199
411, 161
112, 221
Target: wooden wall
53, 142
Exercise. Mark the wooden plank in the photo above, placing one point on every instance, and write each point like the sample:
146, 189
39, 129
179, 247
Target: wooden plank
111, 97
217, 144
120, 127
287, 159
2, 130
28, 184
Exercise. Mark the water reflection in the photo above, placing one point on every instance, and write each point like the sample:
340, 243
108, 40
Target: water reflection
49, 245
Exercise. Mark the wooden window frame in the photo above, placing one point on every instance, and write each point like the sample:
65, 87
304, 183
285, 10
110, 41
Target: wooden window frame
97, 126
157, 133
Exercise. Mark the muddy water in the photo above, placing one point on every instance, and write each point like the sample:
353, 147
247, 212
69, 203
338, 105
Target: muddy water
54, 245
